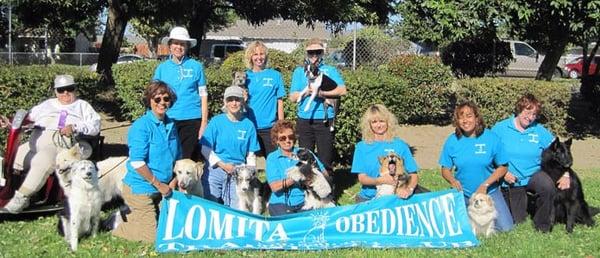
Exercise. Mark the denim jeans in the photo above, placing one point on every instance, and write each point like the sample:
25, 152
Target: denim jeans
219, 186
504, 221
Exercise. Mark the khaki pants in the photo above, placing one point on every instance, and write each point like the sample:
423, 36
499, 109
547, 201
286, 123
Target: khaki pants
36, 157
142, 221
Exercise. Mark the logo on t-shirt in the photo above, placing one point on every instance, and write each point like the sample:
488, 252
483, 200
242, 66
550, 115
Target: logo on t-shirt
480, 148
533, 138
241, 134
389, 151
187, 73
267, 82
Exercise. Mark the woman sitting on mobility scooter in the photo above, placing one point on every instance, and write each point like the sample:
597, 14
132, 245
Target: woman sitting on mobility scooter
55, 121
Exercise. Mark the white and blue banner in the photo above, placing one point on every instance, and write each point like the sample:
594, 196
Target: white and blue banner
431, 220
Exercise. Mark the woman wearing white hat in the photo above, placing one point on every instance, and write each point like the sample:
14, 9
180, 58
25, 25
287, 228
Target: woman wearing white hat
230, 140
55, 121
310, 126
185, 76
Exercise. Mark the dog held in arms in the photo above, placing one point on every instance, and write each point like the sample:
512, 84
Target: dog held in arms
319, 81
482, 214
317, 189
570, 206
252, 193
81, 215
188, 174
392, 165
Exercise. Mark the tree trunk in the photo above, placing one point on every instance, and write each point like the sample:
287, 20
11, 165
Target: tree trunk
111, 41
198, 26
553, 54
589, 84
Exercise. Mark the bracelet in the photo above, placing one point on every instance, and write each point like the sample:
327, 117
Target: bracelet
487, 185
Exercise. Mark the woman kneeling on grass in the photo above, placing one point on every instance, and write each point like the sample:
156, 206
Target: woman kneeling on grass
478, 160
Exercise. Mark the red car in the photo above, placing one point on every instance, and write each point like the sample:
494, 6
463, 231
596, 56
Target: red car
575, 68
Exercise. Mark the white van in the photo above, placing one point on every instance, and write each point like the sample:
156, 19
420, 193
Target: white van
526, 61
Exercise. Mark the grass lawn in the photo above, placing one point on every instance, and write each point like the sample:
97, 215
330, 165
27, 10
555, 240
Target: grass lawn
37, 237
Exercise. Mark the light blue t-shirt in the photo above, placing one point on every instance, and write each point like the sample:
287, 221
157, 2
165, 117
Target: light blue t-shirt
156, 143
264, 89
473, 158
184, 79
277, 166
524, 149
366, 160
299, 82
231, 141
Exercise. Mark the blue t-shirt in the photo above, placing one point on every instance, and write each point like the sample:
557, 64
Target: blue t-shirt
473, 158
231, 141
184, 79
264, 89
156, 143
277, 166
366, 160
524, 149
299, 82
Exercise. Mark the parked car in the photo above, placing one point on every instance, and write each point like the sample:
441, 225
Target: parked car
526, 61
122, 59
575, 67
337, 59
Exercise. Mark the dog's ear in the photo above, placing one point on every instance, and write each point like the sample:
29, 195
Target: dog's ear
199, 168
555, 143
74, 151
568, 142
382, 159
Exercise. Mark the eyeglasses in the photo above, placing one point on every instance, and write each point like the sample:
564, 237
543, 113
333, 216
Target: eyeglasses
67, 89
317, 52
284, 138
164, 99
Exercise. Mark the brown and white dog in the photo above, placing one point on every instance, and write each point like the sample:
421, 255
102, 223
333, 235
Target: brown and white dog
392, 165
482, 214
188, 174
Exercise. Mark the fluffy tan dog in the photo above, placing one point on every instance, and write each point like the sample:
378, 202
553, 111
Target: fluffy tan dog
393, 165
188, 174
482, 214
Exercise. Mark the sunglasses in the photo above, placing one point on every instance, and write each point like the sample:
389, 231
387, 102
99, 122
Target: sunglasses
229, 99
284, 138
317, 52
164, 99
67, 89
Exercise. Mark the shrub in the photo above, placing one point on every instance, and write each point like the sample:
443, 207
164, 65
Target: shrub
496, 97
130, 81
22, 87
420, 70
477, 57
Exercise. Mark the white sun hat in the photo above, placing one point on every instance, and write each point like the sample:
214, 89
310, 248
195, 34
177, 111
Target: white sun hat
179, 33
63, 80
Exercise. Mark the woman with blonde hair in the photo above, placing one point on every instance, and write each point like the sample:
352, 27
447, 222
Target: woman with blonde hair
380, 137
265, 94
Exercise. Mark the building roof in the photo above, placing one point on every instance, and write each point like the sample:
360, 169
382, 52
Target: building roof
274, 29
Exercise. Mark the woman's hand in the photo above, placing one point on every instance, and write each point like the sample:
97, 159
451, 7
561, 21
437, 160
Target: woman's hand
4, 122
510, 178
227, 167
456, 185
564, 183
405, 192
387, 179
482, 188
164, 189
67, 130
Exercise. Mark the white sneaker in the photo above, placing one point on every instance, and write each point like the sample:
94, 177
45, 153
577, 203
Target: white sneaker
17, 203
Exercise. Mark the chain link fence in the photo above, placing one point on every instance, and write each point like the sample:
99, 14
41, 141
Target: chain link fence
40, 58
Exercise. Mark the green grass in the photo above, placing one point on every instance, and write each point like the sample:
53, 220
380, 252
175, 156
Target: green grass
37, 237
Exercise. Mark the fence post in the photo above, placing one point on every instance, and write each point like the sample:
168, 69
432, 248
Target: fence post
354, 47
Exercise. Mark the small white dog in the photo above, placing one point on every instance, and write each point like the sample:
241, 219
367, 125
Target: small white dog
188, 174
81, 215
317, 190
250, 191
482, 214
111, 172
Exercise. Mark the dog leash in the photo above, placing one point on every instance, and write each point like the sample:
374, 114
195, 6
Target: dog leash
113, 168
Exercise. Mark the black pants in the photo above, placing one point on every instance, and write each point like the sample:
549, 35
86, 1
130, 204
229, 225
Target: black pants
315, 132
545, 190
188, 137
282, 209
264, 139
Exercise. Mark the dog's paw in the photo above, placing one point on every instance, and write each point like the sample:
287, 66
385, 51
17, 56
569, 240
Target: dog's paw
295, 174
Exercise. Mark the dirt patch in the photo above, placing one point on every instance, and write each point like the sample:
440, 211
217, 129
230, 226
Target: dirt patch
426, 140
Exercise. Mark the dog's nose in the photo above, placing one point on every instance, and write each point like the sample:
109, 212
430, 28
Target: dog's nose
88, 174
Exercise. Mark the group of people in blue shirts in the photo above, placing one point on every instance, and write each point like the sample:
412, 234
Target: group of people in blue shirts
175, 126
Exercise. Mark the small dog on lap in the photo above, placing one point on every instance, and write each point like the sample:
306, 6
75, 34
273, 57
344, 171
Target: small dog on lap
81, 215
317, 189
482, 214
392, 165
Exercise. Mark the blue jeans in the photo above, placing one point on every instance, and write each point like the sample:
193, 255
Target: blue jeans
219, 186
504, 221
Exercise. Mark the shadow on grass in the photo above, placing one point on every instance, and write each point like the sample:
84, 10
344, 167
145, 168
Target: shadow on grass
584, 117
342, 180
114, 150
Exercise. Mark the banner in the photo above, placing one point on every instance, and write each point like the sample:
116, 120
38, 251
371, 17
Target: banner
431, 220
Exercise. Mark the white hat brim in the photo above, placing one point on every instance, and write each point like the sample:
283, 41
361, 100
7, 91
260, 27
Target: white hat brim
193, 42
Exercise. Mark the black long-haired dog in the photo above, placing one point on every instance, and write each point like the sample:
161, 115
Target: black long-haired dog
570, 206
317, 186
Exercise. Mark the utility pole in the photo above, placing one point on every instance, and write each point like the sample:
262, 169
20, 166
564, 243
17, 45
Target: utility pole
10, 57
